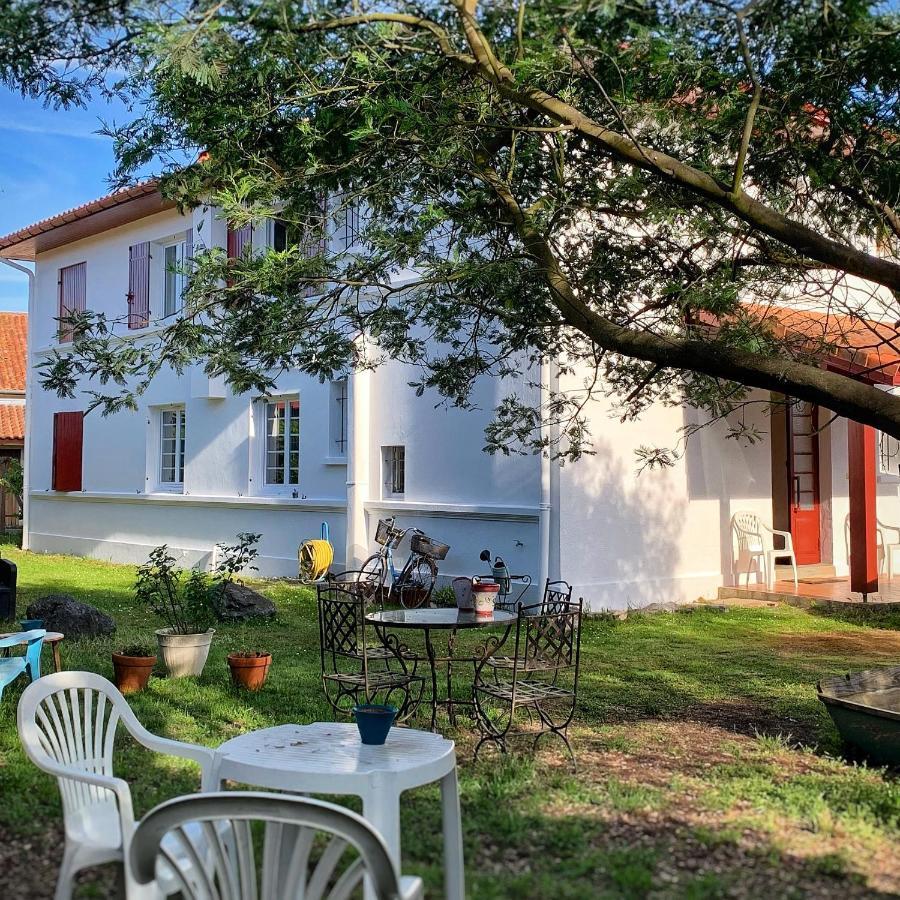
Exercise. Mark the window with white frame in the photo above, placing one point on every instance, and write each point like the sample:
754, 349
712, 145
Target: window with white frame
171, 448
338, 418
282, 442
888, 455
348, 222
393, 467
175, 256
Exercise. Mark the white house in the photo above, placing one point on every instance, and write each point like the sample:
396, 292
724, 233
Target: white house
198, 464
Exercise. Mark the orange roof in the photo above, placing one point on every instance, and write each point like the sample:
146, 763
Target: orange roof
12, 421
851, 343
13, 338
117, 208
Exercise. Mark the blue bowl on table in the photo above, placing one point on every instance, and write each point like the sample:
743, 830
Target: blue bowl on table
374, 721
31, 624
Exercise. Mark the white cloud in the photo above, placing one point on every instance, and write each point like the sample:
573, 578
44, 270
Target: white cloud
52, 131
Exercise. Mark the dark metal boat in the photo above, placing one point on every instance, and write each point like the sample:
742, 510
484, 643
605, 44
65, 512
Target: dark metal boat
865, 708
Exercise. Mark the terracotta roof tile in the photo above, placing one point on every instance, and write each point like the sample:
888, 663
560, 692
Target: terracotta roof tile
12, 421
13, 338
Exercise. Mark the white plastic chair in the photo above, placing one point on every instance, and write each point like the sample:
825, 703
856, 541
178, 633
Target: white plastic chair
67, 724
352, 851
756, 542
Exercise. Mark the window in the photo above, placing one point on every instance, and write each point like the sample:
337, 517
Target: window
68, 435
338, 424
171, 448
348, 223
175, 257
394, 470
282, 461
888, 455
72, 297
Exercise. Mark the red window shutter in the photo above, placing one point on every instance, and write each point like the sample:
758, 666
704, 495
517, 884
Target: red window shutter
139, 285
68, 435
72, 297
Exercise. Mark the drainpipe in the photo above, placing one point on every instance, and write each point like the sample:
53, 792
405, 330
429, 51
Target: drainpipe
546, 481
358, 395
26, 450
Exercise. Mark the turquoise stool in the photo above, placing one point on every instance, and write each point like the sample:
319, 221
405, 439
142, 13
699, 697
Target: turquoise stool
12, 668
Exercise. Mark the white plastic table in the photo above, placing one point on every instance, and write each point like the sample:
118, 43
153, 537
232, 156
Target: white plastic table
329, 758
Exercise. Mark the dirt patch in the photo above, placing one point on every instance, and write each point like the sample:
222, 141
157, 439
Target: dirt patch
754, 852
29, 867
874, 642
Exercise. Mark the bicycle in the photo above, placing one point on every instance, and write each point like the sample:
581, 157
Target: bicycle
411, 587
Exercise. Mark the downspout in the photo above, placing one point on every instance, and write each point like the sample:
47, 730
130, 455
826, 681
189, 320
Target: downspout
26, 450
546, 465
358, 395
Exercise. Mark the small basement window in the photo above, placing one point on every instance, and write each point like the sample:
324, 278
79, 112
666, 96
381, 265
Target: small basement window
394, 470
338, 418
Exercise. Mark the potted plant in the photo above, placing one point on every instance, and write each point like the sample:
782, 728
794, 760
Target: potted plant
133, 666
249, 668
189, 601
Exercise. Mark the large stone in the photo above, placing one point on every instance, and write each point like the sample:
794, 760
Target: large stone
241, 602
73, 618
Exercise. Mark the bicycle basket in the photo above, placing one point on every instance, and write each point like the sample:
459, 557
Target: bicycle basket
425, 546
385, 535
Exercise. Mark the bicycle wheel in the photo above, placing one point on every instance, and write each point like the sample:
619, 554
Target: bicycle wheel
415, 583
374, 569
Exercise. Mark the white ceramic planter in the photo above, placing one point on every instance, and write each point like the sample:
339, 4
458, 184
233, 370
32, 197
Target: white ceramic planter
183, 654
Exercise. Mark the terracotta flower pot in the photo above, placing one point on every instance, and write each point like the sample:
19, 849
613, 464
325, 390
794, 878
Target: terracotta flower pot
132, 672
249, 670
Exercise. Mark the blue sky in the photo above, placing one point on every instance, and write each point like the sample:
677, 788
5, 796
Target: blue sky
50, 160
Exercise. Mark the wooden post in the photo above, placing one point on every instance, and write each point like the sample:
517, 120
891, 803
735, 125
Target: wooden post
863, 541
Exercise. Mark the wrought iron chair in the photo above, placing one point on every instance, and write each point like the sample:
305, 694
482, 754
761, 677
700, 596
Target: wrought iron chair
541, 678
353, 671
360, 581
309, 849
557, 598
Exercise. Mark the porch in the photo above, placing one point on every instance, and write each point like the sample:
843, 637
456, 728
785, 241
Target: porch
816, 585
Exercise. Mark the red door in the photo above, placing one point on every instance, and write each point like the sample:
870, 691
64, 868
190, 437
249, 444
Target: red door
803, 481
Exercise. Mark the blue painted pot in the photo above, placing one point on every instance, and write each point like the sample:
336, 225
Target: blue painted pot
374, 722
31, 624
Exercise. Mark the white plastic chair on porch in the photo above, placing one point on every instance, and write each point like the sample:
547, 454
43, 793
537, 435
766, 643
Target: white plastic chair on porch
67, 724
756, 543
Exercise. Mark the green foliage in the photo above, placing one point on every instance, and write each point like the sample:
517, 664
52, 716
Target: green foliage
138, 650
533, 237
189, 602
186, 602
12, 479
656, 788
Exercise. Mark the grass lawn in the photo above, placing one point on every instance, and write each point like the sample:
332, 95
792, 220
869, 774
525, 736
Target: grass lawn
707, 768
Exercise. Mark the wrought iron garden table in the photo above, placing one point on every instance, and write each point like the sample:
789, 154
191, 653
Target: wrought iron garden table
329, 758
452, 621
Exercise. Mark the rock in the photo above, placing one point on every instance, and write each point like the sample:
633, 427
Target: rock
73, 618
241, 602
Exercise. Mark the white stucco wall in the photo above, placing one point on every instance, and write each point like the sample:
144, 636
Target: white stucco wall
454, 491
629, 539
